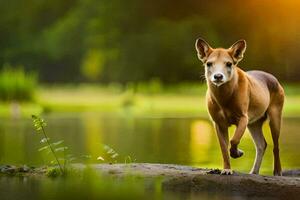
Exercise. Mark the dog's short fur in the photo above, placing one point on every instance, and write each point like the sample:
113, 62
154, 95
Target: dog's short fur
244, 99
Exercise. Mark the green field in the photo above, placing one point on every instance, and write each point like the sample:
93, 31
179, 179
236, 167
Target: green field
184, 100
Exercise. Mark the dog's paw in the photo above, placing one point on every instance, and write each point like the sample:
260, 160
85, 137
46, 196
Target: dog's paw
236, 153
277, 173
253, 172
226, 172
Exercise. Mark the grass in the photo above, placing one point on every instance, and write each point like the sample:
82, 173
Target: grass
100, 99
175, 101
16, 85
9, 109
171, 101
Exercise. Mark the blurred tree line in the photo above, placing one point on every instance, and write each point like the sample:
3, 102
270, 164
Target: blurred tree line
140, 40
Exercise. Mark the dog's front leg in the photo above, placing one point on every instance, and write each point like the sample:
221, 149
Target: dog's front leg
239, 132
222, 133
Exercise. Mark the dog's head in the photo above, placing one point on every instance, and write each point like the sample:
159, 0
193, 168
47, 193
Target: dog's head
219, 63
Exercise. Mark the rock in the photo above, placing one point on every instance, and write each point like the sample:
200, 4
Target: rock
177, 178
189, 179
8, 169
292, 173
24, 169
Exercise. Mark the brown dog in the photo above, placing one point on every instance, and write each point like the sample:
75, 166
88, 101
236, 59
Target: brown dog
245, 99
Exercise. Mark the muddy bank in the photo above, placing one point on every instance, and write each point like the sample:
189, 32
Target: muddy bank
189, 179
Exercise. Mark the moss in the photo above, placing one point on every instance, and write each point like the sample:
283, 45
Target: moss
53, 172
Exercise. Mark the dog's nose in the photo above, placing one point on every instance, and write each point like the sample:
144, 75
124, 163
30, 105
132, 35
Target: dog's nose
218, 77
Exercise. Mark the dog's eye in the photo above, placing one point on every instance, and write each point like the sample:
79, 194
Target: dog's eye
209, 64
228, 64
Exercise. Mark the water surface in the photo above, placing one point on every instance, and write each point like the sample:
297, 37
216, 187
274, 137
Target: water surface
186, 141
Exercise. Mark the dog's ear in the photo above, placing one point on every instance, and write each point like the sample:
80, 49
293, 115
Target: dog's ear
237, 50
203, 49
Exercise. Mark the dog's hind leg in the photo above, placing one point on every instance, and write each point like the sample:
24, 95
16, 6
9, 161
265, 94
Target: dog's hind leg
274, 113
275, 124
260, 143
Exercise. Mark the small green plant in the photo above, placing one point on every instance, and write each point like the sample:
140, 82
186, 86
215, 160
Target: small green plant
110, 155
16, 84
53, 172
53, 147
129, 160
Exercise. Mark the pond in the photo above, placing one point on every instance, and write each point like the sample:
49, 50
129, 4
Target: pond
186, 141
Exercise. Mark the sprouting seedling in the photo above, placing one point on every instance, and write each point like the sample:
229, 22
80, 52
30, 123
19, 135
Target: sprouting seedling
40, 125
110, 155
128, 159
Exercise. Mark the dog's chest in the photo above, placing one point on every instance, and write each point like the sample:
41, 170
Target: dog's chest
230, 116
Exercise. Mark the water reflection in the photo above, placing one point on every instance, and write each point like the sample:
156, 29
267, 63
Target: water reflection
188, 141
200, 141
93, 137
93, 187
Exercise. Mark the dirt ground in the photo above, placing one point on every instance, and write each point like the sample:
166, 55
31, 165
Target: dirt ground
190, 179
